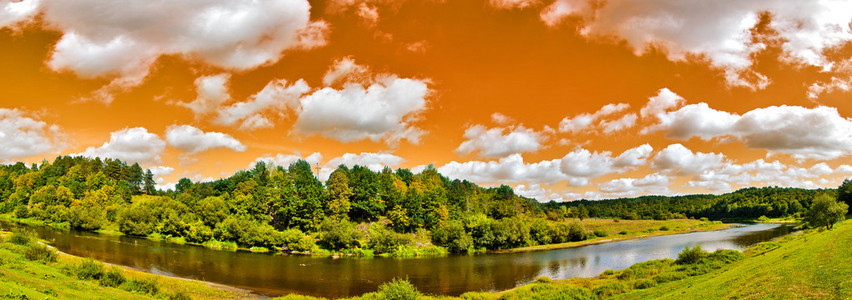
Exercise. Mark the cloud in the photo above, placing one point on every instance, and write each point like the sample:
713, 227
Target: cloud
584, 121
620, 124
651, 183
23, 136
719, 31
284, 160
536, 191
277, 98
122, 40
385, 109
513, 4
500, 142
633, 157
763, 173
683, 161
194, 140
212, 92
658, 105
131, 145
373, 161
510, 169
15, 12
806, 133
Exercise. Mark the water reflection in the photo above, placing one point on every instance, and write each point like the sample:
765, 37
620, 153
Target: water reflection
277, 274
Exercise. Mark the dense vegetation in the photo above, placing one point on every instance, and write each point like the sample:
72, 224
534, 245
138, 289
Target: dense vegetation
355, 211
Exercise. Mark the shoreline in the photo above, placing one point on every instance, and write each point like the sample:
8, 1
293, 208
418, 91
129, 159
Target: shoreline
620, 238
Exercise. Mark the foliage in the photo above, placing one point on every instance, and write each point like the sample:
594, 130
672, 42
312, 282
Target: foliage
41, 253
113, 277
825, 211
145, 286
690, 255
339, 234
88, 269
398, 289
22, 236
452, 236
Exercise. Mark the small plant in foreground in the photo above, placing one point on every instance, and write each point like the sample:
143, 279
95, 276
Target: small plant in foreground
113, 277
690, 256
39, 252
89, 269
22, 236
398, 289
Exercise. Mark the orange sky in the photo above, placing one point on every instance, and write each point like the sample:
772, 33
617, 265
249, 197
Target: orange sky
766, 80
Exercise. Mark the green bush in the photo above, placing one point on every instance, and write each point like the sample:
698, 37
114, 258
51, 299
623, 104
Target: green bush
576, 232
627, 274
21, 212
664, 228
763, 219
145, 286
113, 277
22, 236
543, 279
623, 232
339, 234
296, 240
398, 289
668, 276
41, 253
89, 269
179, 296
610, 289
644, 284
600, 233
453, 237
690, 256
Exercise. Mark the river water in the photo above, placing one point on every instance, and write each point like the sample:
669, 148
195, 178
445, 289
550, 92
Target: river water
273, 275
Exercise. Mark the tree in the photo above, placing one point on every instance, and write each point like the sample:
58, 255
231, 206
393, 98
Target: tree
844, 192
183, 184
150, 188
338, 192
825, 211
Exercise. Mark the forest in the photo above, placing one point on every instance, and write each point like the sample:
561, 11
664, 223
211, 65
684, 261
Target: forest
355, 211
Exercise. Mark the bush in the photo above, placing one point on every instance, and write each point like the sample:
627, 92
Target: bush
600, 233
664, 228
22, 236
339, 234
146, 286
41, 253
296, 240
690, 256
452, 236
610, 289
179, 296
543, 279
113, 277
644, 284
627, 274
384, 240
398, 289
763, 219
704, 219
623, 232
89, 269
21, 212
668, 276
576, 232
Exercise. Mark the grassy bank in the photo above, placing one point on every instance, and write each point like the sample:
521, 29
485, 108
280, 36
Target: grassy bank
29, 270
618, 230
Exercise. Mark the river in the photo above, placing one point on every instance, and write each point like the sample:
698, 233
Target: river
273, 275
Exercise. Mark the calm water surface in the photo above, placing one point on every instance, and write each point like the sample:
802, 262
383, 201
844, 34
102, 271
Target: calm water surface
273, 275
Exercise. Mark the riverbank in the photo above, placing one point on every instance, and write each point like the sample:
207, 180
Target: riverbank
617, 230
22, 278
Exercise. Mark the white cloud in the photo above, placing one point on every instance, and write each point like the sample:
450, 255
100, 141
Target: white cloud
683, 161
193, 140
622, 123
15, 12
500, 142
276, 98
373, 161
815, 133
536, 191
500, 118
284, 160
584, 121
633, 157
383, 110
131, 145
658, 105
510, 169
718, 31
652, 183
513, 4
122, 40
345, 70
22, 136
212, 92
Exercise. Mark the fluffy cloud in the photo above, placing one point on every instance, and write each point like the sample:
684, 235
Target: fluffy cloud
658, 105
683, 161
378, 108
285, 160
513, 4
212, 92
15, 12
373, 161
652, 183
194, 140
622, 123
22, 136
122, 40
817, 133
584, 121
500, 142
276, 98
131, 145
720, 31
763, 173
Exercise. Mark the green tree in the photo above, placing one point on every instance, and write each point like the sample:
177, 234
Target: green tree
844, 192
825, 211
338, 192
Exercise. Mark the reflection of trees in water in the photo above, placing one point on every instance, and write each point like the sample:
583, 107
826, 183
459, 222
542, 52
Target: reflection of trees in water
753, 237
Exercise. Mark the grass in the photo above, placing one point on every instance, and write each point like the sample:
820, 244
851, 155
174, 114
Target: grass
58, 278
619, 230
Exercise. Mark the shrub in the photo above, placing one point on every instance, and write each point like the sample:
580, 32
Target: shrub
610, 289
296, 240
398, 289
704, 219
384, 240
41, 253
21, 212
179, 296
644, 284
146, 286
22, 236
668, 276
576, 232
690, 256
623, 232
627, 274
600, 233
452, 236
664, 228
113, 277
607, 273
763, 219
543, 279
89, 269
339, 234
